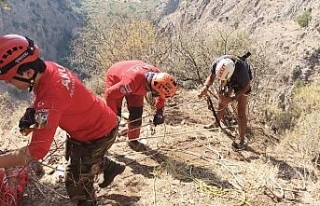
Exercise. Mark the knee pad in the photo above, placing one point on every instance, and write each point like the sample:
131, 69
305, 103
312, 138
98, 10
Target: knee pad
135, 114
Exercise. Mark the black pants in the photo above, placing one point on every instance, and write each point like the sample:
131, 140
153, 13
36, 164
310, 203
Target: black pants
86, 161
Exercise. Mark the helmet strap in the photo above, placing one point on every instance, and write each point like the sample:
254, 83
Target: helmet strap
149, 76
30, 81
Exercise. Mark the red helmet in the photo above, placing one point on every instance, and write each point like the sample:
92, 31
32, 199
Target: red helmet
164, 85
15, 50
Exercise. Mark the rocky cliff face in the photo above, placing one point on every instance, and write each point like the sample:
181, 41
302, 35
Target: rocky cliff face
50, 23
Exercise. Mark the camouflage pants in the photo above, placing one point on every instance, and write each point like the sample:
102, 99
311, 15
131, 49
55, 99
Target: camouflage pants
86, 161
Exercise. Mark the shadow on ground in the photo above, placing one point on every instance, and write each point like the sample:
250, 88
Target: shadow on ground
286, 171
119, 200
182, 171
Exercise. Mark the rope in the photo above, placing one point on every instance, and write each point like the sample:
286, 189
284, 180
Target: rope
201, 185
170, 134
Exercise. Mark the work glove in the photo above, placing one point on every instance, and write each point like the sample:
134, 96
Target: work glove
27, 120
158, 118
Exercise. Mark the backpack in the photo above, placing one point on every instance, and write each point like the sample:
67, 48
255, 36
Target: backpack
243, 58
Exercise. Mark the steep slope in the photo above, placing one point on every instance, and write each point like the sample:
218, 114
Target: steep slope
51, 23
292, 51
187, 166
192, 166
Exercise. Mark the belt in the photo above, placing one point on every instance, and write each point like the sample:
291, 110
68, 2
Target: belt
90, 142
86, 143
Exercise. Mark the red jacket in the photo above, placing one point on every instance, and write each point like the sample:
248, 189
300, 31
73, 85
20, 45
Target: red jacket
128, 78
62, 100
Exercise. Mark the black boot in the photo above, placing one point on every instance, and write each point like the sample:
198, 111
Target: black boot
137, 146
111, 170
240, 144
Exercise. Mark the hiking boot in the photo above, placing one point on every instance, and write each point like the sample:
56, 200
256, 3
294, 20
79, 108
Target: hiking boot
137, 146
240, 144
111, 170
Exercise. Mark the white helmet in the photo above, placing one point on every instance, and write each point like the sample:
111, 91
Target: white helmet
225, 69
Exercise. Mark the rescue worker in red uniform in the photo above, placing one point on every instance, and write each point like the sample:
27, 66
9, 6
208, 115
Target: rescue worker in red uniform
60, 99
132, 80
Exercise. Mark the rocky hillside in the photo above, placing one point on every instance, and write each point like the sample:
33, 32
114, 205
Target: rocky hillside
272, 23
187, 165
50, 23
288, 32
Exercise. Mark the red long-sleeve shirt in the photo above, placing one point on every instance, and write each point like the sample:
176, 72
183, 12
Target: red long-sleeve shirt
62, 100
128, 78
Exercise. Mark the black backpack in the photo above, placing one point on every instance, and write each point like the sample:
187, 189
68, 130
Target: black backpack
243, 58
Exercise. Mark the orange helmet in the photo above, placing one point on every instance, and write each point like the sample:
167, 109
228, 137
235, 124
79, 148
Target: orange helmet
15, 50
164, 85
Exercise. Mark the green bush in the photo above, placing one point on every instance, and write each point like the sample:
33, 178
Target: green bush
306, 98
304, 18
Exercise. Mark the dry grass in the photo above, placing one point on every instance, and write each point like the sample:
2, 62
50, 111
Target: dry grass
192, 166
301, 144
11, 110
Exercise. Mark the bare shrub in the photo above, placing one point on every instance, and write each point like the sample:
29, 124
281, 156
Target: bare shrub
114, 40
193, 52
97, 86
